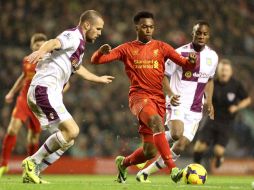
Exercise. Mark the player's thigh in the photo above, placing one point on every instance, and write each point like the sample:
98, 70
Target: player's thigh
190, 128
222, 135
33, 123
200, 146
150, 117
47, 104
206, 134
32, 137
14, 126
144, 108
174, 121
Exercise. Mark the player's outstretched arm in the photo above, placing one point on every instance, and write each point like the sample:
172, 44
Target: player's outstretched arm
105, 54
15, 88
171, 54
47, 47
173, 99
87, 75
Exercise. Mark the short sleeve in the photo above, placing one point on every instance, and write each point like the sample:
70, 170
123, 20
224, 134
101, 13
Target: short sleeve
216, 59
241, 92
67, 40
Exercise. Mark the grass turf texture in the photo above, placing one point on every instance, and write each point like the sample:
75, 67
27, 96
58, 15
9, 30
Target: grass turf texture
99, 182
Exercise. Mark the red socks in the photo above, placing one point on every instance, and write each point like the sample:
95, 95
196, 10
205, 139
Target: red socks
137, 157
8, 145
162, 146
32, 148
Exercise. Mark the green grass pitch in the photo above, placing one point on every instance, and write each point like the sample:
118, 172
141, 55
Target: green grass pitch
99, 182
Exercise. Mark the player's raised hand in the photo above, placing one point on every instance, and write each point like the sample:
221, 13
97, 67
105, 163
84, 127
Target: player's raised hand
105, 49
174, 100
106, 79
192, 58
9, 98
36, 56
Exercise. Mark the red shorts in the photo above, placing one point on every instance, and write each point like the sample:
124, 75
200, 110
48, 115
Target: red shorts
23, 112
144, 107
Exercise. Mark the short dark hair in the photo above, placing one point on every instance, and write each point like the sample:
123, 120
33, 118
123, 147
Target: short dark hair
202, 22
37, 37
89, 15
142, 14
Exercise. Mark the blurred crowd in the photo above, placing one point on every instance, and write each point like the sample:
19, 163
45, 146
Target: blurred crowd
107, 126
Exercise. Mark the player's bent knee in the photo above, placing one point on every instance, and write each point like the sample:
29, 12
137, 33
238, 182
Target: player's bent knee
13, 129
155, 123
200, 146
176, 136
176, 129
69, 129
219, 150
14, 126
179, 148
74, 133
35, 138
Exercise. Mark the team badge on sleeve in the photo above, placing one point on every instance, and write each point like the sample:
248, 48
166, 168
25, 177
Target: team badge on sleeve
209, 61
67, 36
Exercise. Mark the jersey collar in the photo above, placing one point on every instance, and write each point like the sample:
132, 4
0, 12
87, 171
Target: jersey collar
81, 32
192, 47
139, 42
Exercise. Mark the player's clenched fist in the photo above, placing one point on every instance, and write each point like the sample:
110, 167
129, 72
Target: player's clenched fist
105, 49
192, 58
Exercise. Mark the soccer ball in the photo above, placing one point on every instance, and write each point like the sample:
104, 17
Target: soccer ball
194, 174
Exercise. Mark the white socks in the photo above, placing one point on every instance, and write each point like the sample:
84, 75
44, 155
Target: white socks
159, 164
50, 159
52, 144
169, 137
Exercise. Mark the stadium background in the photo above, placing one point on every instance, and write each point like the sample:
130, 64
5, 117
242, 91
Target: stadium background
107, 126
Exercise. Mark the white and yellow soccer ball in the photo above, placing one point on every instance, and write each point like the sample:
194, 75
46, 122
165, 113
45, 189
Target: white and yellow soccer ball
194, 174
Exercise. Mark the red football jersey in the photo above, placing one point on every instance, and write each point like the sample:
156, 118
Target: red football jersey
29, 72
144, 64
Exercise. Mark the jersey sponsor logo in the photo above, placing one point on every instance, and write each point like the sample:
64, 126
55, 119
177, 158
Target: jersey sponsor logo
146, 64
201, 75
188, 75
231, 96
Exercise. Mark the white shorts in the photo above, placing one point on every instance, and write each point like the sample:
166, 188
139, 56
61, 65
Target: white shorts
47, 105
189, 118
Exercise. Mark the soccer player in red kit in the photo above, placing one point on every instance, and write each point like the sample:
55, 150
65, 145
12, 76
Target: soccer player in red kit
21, 113
144, 64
